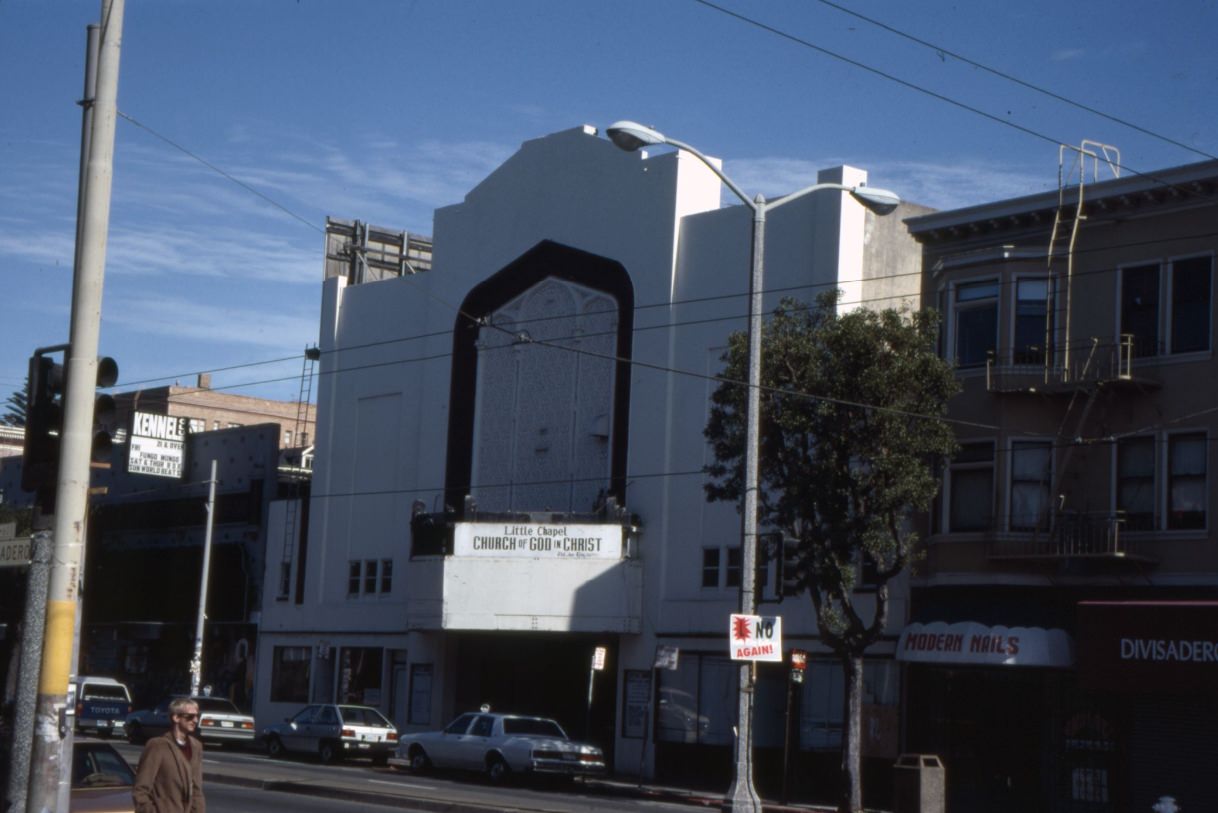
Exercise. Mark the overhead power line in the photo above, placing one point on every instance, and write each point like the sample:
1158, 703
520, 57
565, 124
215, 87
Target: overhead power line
221, 172
1006, 122
944, 51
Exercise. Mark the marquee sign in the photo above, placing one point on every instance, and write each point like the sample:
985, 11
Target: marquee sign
500, 540
157, 445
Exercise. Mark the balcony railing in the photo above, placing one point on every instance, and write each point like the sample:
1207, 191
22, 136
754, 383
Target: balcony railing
1025, 370
1075, 536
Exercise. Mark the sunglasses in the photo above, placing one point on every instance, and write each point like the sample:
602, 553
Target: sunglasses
189, 716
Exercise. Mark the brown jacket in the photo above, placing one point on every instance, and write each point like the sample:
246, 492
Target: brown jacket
165, 782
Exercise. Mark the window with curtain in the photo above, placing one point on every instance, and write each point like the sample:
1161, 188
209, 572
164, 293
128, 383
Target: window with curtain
1186, 467
1135, 494
1031, 464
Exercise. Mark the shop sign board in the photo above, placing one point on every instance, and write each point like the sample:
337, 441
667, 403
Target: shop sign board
755, 637
667, 657
1148, 646
157, 445
531, 540
968, 642
15, 552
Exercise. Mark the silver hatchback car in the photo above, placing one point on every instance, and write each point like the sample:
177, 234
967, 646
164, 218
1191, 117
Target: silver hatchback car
333, 732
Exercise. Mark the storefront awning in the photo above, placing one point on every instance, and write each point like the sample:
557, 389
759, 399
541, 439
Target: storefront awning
967, 642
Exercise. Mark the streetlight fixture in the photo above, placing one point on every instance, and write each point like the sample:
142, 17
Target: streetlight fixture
631, 136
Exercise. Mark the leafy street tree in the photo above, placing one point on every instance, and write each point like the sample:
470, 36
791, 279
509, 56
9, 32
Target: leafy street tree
14, 411
851, 430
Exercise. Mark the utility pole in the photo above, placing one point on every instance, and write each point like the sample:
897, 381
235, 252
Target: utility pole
51, 756
196, 663
27, 673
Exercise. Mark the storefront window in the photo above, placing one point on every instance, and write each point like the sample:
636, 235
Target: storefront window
360, 675
697, 701
420, 694
290, 674
822, 705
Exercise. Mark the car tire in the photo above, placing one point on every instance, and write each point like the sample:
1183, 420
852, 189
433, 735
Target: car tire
274, 747
327, 752
497, 770
135, 734
419, 761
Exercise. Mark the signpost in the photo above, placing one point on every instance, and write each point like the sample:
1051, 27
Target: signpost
799, 664
598, 665
755, 637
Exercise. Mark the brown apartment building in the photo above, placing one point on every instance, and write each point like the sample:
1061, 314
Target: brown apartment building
210, 410
1062, 653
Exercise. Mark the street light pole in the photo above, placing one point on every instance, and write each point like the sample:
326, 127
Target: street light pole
630, 136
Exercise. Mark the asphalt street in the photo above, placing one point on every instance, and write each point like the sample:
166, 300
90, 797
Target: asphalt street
238, 777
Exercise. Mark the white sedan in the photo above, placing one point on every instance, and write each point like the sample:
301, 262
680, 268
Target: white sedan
500, 745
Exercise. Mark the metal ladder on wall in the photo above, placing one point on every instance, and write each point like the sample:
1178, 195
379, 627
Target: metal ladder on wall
292, 511
1071, 426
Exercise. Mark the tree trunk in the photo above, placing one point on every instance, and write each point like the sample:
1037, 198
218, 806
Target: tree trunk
851, 799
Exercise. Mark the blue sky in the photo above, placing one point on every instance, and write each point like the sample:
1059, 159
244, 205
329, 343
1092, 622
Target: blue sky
383, 111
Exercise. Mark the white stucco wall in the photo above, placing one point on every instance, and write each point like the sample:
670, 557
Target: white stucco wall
383, 396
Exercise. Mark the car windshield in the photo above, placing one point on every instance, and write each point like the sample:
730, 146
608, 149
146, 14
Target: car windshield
534, 726
359, 715
94, 767
216, 704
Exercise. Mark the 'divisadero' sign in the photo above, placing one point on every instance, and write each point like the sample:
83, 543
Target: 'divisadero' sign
500, 540
156, 445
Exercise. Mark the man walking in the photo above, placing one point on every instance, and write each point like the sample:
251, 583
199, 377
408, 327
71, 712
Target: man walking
169, 778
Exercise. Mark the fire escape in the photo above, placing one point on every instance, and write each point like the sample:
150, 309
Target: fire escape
1087, 374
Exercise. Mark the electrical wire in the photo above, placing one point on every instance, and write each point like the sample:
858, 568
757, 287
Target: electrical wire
943, 51
1057, 142
221, 172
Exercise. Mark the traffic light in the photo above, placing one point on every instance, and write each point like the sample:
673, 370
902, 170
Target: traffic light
793, 569
44, 416
103, 411
43, 425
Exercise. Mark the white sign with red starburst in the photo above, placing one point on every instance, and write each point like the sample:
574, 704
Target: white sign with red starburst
755, 637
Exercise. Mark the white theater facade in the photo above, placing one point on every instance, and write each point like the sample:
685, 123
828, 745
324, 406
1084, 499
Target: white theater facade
508, 476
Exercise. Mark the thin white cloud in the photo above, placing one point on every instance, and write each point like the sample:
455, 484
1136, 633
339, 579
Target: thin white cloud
942, 186
221, 323
1067, 54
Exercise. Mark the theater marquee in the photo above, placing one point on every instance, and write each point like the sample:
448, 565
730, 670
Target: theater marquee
510, 540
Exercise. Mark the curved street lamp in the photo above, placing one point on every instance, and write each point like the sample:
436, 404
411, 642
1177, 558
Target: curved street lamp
631, 136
